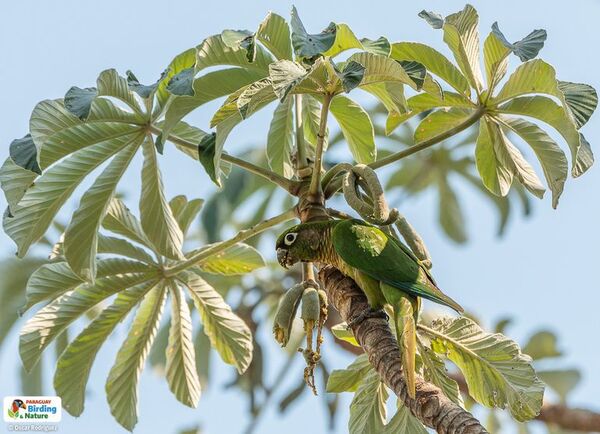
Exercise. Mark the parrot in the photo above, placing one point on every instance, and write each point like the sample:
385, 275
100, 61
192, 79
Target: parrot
382, 266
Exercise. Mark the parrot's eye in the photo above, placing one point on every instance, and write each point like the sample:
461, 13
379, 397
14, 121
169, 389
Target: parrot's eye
290, 238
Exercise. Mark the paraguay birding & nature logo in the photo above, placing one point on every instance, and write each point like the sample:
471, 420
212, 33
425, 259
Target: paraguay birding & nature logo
28, 409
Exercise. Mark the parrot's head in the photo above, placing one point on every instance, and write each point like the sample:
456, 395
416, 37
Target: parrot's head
302, 243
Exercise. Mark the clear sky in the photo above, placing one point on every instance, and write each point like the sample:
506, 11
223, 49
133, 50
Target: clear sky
544, 272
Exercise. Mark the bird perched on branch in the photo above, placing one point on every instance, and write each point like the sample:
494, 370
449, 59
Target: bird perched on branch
384, 268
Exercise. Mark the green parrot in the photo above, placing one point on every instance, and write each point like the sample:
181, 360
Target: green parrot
383, 267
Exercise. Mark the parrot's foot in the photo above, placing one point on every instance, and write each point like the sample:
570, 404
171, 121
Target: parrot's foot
367, 313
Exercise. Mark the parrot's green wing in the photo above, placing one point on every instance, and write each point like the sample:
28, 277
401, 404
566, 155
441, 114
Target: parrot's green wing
370, 250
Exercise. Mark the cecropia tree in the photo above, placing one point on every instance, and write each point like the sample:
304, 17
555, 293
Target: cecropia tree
146, 263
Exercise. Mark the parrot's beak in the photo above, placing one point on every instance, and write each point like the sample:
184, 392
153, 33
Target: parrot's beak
282, 257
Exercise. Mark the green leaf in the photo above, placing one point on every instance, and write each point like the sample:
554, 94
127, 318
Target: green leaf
311, 119
422, 103
181, 356
440, 122
348, 380
74, 365
24, 154
462, 36
380, 69
119, 246
434, 370
39, 331
542, 345
352, 75
434, 19
207, 88
525, 49
280, 141
121, 221
206, 155
535, 76
367, 410
228, 334
450, 213
49, 281
404, 422
182, 83
341, 332
495, 55
15, 181
36, 210
81, 236
79, 101
241, 39
307, 45
345, 39
181, 62
495, 176
122, 381
184, 211
561, 381
391, 95
546, 110
285, 75
237, 259
274, 33
497, 372
214, 52
111, 84
156, 217
552, 158
357, 128
580, 100
434, 61
145, 91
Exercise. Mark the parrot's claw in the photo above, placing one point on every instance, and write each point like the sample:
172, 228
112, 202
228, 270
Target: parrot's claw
367, 313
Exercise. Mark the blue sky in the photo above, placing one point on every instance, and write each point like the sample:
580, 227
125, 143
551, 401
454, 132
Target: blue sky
544, 272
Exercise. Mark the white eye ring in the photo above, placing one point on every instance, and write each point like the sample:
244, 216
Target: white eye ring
290, 238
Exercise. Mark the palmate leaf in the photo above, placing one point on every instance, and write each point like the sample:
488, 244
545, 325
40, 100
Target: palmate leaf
23, 153
440, 122
497, 372
237, 259
121, 221
450, 213
185, 211
69, 149
228, 334
525, 49
74, 365
15, 181
122, 381
367, 410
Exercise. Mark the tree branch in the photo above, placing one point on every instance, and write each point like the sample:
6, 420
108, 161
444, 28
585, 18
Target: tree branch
287, 184
560, 415
430, 406
242, 235
475, 116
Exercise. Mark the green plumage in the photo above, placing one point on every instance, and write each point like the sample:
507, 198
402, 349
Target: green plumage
386, 270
